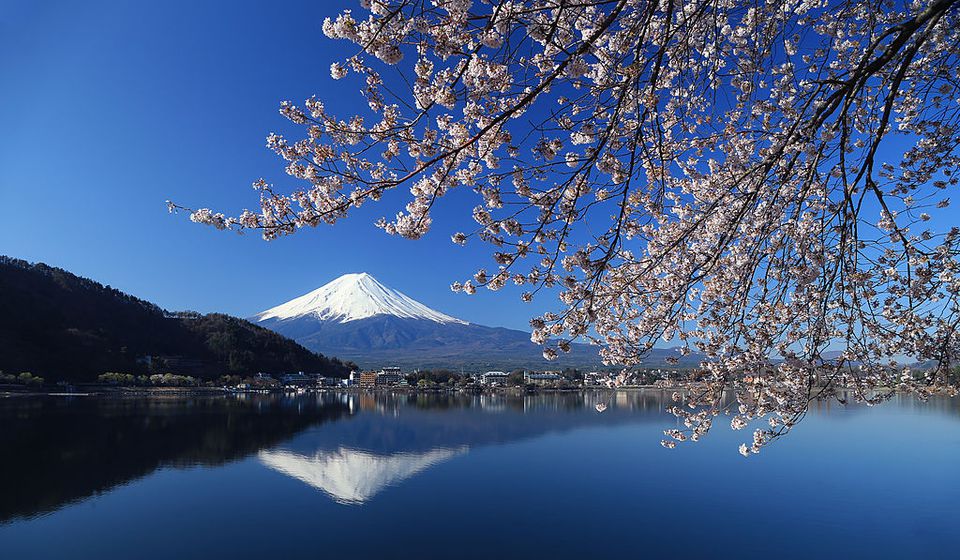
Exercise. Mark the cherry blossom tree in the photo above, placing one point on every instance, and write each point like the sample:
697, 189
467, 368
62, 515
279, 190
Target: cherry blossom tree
765, 184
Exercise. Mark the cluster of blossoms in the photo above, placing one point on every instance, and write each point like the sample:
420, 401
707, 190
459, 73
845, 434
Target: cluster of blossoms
760, 180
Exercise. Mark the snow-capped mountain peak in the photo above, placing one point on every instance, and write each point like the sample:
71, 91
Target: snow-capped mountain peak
352, 297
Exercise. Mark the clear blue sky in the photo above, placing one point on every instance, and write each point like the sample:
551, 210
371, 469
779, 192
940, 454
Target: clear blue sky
109, 108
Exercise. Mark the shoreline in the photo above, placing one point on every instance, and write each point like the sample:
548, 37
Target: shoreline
111, 391
115, 391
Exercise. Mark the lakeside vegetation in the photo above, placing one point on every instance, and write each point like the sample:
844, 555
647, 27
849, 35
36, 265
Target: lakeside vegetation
24, 378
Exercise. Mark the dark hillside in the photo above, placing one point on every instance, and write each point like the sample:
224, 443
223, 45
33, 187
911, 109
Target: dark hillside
61, 326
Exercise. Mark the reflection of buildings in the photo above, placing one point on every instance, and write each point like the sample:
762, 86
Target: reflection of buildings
533, 403
368, 402
351, 476
493, 402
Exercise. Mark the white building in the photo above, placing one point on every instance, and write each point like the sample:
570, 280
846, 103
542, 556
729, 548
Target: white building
494, 377
547, 378
389, 376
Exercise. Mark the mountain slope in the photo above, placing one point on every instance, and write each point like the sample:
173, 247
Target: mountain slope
61, 326
352, 297
358, 318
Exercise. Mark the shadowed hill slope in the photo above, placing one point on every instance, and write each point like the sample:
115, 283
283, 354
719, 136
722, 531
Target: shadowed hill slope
61, 326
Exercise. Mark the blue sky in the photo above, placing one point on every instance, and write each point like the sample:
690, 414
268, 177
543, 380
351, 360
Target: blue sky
109, 108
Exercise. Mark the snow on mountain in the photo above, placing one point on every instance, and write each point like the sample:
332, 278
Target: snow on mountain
357, 318
352, 297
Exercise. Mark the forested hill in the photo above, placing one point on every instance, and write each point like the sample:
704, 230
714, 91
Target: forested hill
61, 326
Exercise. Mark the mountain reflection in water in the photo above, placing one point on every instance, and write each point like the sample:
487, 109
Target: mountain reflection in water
58, 451
467, 476
350, 476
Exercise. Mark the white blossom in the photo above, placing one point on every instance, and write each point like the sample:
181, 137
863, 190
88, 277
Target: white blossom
743, 180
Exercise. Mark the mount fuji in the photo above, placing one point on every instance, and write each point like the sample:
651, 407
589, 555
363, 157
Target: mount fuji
353, 297
357, 318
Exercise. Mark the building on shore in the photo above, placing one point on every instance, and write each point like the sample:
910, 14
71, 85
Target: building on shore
494, 378
323, 381
389, 376
298, 379
386, 377
352, 380
368, 380
541, 379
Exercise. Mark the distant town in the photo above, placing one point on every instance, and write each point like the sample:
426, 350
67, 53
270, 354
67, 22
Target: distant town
392, 378
438, 380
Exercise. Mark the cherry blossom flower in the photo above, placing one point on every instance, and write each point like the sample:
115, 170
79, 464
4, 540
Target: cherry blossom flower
758, 183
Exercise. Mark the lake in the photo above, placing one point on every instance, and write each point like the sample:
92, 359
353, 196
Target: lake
467, 476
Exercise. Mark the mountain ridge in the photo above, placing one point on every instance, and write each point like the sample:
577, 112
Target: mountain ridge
352, 297
371, 333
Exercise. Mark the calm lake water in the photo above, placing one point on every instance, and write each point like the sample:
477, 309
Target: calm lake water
417, 476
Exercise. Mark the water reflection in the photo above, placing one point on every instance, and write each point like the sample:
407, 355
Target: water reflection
57, 451
387, 423
351, 447
393, 437
351, 476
